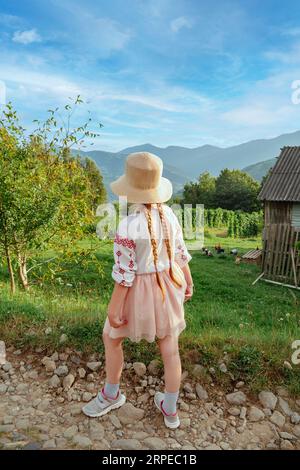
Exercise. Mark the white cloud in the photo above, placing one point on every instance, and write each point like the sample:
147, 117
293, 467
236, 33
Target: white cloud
181, 22
288, 56
26, 37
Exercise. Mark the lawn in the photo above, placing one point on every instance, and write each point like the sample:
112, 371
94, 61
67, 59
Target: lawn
250, 328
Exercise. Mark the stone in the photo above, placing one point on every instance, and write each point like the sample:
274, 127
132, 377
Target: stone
284, 407
234, 411
50, 366
22, 424
63, 338
94, 366
50, 444
139, 368
267, 399
7, 367
287, 436
277, 418
286, 445
68, 381
199, 371
129, 414
255, 414
243, 412
236, 398
155, 443
154, 367
240, 384
296, 431
54, 382
3, 388
188, 388
70, 431
126, 444
82, 441
223, 368
61, 371
43, 405
97, 431
213, 447
287, 365
81, 372
32, 446
87, 396
115, 421
6, 427
48, 330
201, 392
295, 418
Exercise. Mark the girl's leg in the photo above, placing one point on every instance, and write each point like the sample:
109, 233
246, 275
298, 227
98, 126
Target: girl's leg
172, 365
172, 368
114, 359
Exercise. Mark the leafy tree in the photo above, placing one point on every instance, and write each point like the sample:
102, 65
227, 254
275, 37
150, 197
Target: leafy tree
201, 192
236, 190
45, 194
96, 181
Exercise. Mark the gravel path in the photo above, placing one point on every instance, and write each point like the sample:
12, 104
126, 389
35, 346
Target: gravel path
41, 399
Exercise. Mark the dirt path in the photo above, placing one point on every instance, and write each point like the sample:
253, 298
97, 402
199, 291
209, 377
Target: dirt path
41, 399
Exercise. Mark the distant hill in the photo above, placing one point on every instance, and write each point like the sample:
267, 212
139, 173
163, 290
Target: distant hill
183, 164
259, 170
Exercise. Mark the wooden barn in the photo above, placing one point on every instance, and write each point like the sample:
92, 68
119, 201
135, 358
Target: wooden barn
281, 234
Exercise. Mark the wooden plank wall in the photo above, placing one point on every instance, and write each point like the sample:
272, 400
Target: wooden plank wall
276, 256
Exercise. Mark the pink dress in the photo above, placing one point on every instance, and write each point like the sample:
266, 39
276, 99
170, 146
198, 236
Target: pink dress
148, 315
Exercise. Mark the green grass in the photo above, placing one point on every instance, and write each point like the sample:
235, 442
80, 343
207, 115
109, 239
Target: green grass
250, 327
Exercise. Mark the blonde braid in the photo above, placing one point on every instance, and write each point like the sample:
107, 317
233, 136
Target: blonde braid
167, 243
154, 248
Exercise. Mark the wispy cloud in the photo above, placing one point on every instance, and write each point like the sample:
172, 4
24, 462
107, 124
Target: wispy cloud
26, 37
181, 22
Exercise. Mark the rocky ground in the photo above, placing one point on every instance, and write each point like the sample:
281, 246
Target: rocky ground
41, 398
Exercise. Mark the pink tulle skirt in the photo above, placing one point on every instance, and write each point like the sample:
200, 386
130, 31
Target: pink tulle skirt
148, 315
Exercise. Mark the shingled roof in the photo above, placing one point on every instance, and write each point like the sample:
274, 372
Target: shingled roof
283, 183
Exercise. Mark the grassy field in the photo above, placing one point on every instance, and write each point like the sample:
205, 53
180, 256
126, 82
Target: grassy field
251, 328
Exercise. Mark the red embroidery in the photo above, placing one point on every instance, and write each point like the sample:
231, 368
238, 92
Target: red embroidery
124, 242
131, 264
121, 270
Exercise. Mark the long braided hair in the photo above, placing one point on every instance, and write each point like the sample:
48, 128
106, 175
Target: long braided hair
166, 237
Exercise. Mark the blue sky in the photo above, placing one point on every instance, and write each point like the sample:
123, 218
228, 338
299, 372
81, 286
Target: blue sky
169, 72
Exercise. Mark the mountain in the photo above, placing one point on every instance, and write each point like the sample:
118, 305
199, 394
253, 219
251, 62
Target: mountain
183, 164
259, 170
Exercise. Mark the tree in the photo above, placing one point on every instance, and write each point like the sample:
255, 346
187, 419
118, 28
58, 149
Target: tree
236, 190
201, 192
45, 194
96, 181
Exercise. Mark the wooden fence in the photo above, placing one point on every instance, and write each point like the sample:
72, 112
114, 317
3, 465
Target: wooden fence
280, 256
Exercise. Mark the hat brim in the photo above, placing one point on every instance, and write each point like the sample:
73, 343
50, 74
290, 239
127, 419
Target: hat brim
162, 193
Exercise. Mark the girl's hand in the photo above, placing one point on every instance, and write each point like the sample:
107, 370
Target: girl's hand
115, 314
116, 321
189, 292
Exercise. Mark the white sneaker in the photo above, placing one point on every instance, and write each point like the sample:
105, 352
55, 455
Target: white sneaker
171, 421
101, 405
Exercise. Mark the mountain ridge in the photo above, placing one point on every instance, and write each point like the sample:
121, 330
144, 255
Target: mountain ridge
182, 164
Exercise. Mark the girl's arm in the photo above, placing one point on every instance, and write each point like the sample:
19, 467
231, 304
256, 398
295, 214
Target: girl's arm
115, 313
189, 280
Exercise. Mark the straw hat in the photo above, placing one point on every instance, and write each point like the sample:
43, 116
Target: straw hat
143, 181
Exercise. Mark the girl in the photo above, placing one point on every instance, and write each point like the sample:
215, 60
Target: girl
152, 281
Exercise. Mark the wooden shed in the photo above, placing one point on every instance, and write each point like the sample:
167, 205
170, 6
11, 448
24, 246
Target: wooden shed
281, 234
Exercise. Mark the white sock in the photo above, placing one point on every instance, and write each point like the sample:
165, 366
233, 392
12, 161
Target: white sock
170, 400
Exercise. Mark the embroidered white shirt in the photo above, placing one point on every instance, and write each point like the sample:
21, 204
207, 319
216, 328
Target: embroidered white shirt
132, 245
